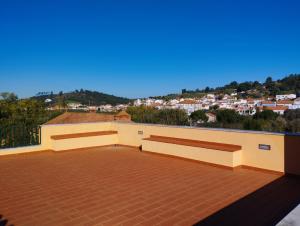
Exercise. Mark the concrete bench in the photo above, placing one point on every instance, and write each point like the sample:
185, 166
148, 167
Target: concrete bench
88, 134
64, 142
229, 155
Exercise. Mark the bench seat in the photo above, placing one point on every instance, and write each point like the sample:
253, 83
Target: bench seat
228, 155
195, 143
88, 134
83, 140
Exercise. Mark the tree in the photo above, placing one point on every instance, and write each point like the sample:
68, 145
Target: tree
293, 126
228, 116
233, 85
61, 100
251, 124
279, 125
244, 86
144, 114
266, 115
9, 97
293, 120
268, 81
172, 117
199, 116
256, 85
292, 114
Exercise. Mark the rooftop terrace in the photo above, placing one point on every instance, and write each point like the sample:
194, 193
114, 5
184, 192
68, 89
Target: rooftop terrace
121, 173
117, 186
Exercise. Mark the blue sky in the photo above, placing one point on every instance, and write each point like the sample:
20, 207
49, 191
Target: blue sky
142, 48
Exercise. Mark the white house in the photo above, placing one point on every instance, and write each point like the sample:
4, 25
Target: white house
189, 105
296, 104
173, 102
149, 101
210, 96
137, 102
74, 105
278, 109
286, 97
287, 103
297, 101
211, 117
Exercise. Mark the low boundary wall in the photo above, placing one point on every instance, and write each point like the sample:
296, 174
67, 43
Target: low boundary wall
269, 151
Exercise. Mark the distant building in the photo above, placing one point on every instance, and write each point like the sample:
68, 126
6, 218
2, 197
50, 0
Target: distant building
189, 105
106, 108
286, 97
210, 96
137, 102
268, 103
74, 105
297, 101
287, 103
149, 102
211, 117
296, 104
92, 108
173, 102
278, 109
246, 110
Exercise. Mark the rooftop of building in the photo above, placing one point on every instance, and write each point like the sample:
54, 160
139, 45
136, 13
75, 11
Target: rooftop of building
84, 117
112, 173
118, 185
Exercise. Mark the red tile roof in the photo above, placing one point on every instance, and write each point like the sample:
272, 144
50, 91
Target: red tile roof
285, 102
277, 108
188, 102
76, 117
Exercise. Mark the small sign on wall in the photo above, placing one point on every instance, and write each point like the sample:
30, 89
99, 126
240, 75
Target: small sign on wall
265, 147
140, 132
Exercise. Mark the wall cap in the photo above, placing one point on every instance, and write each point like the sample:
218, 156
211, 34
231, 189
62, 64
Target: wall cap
212, 129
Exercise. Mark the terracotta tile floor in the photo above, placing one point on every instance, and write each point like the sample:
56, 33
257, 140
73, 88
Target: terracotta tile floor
103, 186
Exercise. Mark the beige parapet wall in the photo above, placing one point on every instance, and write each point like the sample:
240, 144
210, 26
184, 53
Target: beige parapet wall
21, 150
59, 129
133, 133
250, 155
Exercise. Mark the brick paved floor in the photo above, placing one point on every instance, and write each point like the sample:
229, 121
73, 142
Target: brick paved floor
124, 187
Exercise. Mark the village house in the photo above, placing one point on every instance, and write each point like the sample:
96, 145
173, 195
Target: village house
296, 104
189, 105
137, 102
286, 97
277, 109
268, 103
211, 117
287, 103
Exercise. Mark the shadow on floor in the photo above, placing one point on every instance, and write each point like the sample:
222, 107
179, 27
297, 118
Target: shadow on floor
4, 222
264, 207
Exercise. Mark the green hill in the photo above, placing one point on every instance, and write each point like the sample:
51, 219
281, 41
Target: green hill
254, 89
288, 84
85, 97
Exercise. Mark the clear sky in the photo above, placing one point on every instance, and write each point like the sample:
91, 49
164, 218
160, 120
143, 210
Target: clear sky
145, 47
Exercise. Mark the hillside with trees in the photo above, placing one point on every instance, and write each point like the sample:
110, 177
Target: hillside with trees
253, 89
85, 97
